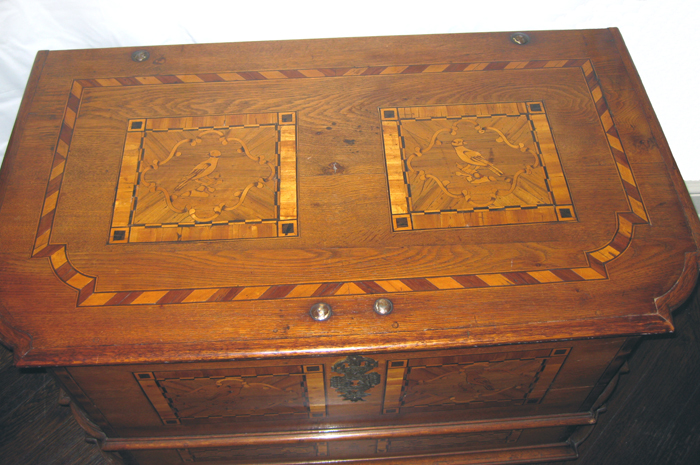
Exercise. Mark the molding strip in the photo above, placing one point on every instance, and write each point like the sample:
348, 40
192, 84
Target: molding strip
180, 442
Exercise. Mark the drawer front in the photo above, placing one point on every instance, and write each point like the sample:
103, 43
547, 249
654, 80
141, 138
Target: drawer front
349, 390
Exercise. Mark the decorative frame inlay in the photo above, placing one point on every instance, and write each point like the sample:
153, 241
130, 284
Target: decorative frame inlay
188, 179
206, 396
471, 381
85, 284
438, 177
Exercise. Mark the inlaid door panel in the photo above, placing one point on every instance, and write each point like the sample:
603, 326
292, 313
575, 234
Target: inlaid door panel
235, 394
471, 381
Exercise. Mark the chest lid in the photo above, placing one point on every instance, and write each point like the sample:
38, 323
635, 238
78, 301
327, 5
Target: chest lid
196, 203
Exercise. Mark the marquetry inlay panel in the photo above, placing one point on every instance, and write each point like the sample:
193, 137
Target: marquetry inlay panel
207, 178
473, 165
471, 381
219, 395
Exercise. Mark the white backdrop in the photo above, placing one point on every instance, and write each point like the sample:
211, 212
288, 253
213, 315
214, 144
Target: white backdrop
660, 34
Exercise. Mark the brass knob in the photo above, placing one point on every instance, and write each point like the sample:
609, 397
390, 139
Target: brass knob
321, 311
383, 306
519, 38
140, 55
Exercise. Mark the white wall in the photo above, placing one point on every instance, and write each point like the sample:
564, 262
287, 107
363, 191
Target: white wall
660, 34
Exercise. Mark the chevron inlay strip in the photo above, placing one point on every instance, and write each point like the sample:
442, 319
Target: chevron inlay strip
85, 285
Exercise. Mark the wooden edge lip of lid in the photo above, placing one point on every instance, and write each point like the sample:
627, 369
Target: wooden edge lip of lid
681, 289
22, 114
17, 340
220, 351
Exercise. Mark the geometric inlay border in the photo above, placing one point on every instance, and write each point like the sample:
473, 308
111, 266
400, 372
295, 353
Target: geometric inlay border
207, 204
181, 396
430, 189
85, 285
485, 380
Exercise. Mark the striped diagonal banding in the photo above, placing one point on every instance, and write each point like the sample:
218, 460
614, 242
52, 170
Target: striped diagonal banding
88, 296
419, 284
174, 297
85, 285
634, 198
567, 275
277, 292
225, 294
123, 298
370, 287
468, 281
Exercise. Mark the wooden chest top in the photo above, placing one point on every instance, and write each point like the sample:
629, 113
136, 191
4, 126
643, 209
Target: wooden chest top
196, 204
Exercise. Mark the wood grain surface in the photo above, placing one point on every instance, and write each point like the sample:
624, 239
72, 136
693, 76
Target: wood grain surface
577, 239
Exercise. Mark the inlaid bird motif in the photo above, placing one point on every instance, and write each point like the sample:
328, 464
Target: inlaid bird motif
473, 157
202, 170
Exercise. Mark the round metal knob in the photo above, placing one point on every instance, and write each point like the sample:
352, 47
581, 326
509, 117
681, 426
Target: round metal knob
383, 306
520, 38
321, 311
140, 55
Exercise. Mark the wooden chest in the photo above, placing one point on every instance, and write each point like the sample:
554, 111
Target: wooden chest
403, 249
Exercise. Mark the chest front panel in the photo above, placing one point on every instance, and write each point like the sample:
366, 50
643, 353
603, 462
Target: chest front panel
355, 390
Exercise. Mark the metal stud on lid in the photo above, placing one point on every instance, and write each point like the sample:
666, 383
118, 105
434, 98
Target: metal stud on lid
321, 311
140, 55
519, 38
383, 306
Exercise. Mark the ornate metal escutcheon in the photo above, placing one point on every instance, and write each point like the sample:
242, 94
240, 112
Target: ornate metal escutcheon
356, 380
